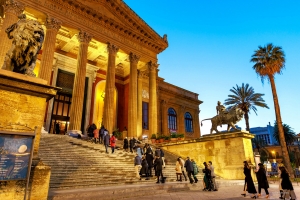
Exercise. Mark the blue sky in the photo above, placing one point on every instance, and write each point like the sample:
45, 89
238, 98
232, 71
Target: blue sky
210, 47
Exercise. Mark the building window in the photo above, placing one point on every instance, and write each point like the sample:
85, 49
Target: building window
172, 119
145, 115
62, 105
188, 122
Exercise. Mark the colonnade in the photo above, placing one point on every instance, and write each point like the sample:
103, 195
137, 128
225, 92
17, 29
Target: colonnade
14, 8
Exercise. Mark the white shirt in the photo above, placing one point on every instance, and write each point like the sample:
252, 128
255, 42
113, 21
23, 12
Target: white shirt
212, 169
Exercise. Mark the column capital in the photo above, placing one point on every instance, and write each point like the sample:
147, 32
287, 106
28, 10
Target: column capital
134, 59
84, 37
112, 49
52, 23
152, 66
15, 7
141, 74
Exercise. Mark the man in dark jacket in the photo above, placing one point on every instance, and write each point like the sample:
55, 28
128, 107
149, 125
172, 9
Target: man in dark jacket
158, 169
131, 144
149, 158
189, 168
125, 144
106, 140
157, 152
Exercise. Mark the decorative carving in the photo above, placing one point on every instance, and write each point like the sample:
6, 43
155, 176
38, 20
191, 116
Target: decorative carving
142, 74
165, 38
84, 37
52, 23
134, 59
145, 94
15, 7
112, 49
16, 126
28, 37
120, 69
152, 66
94, 76
231, 118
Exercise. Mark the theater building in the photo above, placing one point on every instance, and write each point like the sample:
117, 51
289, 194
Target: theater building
104, 57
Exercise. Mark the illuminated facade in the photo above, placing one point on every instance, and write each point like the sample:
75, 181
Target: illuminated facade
104, 57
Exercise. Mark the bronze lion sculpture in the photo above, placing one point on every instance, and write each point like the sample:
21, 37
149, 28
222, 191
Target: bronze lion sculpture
27, 39
230, 118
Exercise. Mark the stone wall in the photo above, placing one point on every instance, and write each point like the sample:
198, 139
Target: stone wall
227, 151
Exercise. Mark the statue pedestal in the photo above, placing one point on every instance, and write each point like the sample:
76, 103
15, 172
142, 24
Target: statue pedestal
23, 105
227, 151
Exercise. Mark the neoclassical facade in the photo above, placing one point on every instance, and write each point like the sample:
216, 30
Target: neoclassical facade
104, 57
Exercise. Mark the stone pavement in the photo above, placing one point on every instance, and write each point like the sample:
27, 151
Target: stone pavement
230, 192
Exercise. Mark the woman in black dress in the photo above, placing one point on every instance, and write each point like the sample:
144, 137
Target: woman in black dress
286, 184
249, 185
262, 180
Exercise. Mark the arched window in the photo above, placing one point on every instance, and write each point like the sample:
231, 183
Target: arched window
188, 120
172, 119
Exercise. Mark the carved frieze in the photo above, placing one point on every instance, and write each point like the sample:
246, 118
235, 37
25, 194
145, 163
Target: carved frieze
145, 94
15, 7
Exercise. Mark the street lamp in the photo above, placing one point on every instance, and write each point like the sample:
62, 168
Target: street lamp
273, 152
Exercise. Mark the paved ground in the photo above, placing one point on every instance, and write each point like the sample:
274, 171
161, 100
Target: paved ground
230, 192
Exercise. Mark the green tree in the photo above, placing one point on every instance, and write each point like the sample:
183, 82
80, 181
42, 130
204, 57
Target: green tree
289, 134
270, 60
245, 98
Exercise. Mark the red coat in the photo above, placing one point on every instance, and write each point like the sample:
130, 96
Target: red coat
112, 141
96, 133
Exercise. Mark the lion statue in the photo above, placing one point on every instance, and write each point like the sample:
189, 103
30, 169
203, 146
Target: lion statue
27, 39
231, 118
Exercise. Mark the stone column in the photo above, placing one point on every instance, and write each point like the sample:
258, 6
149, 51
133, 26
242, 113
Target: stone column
52, 26
164, 113
132, 101
152, 98
108, 113
12, 10
196, 124
140, 105
79, 81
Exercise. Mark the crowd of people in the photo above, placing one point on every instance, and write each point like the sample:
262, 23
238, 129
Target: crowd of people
285, 186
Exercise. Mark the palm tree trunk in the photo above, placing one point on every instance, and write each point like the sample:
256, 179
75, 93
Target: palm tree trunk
247, 121
285, 154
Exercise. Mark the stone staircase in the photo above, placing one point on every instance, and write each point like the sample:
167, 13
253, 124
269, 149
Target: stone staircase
77, 163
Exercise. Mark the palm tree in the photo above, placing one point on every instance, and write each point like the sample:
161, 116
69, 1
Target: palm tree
245, 98
270, 60
289, 134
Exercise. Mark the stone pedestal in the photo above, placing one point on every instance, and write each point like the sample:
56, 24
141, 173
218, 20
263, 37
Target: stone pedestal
227, 151
22, 107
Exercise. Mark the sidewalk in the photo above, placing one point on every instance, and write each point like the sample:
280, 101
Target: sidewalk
230, 192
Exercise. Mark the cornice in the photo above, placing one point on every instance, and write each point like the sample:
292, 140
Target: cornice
141, 35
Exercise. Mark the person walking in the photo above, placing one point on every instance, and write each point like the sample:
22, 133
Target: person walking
195, 167
207, 182
178, 170
139, 151
149, 149
158, 169
144, 169
131, 144
286, 184
162, 155
249, 185
213, 175
106, 140
125, 144
150, 158
112, 142
101, 134
183, 168
157, 152
189, 168
57, 128
137, 166
262, 180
